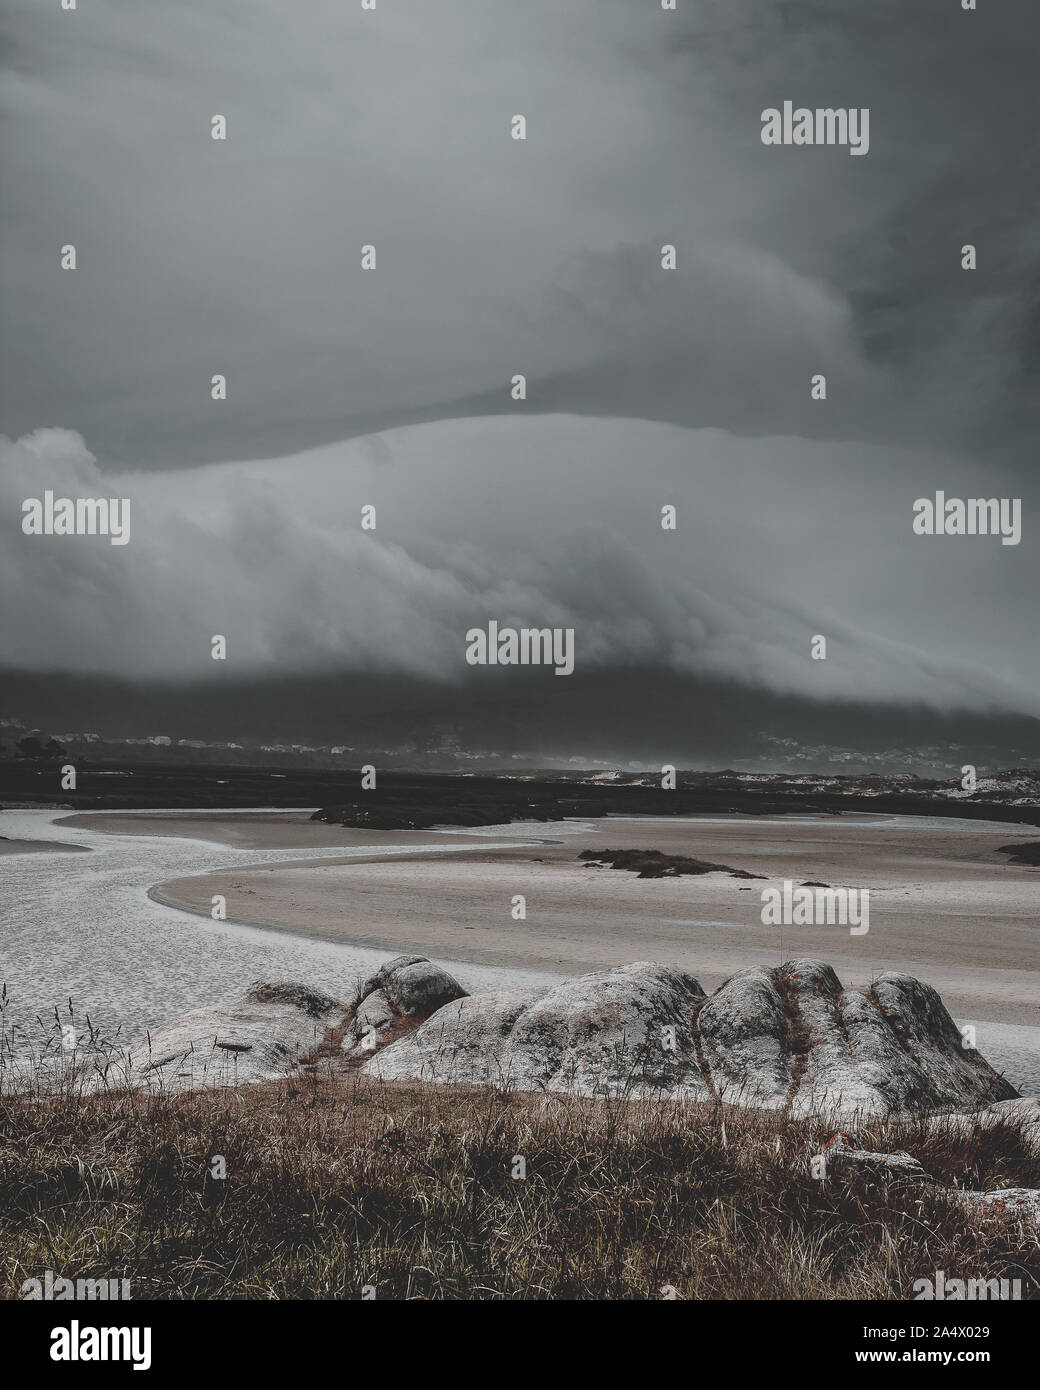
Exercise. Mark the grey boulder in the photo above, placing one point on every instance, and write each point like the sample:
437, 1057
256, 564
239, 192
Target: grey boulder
258, 1036
1017, 1202
394, 998
845, 1156
789, 1038
1022, 1114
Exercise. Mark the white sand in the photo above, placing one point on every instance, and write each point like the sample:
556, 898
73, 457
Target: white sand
944, 904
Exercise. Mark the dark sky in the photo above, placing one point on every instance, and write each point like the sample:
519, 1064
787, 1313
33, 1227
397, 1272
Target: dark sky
646, 387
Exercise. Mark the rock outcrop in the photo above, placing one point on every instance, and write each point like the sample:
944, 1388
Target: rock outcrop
257, 1037
1022, 1114
790, 1038
651, 863
844, 1155
1020, 1202
275, 1029
395, 999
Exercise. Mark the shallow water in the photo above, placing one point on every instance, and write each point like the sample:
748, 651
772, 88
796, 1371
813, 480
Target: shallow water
1014, 1049
83, 925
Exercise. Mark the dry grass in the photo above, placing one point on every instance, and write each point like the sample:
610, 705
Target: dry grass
335, 1182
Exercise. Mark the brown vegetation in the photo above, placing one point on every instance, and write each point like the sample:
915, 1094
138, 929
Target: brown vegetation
335, 1183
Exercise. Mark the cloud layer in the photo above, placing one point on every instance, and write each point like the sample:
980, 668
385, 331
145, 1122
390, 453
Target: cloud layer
391, 127
544, 521
495, 257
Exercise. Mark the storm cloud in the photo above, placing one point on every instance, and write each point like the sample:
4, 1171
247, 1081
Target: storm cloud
550, 521
391, 127
646, 387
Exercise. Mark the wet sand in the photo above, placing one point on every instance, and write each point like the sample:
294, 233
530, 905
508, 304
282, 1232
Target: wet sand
243, 829
40, 847
944, 904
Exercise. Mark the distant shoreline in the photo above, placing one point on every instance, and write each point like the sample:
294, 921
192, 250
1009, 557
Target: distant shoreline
405, 800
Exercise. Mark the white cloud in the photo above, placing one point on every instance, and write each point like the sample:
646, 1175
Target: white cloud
551, 520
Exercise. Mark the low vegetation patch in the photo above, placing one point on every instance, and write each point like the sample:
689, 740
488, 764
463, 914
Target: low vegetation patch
654, 863
1028, 853
317, 1187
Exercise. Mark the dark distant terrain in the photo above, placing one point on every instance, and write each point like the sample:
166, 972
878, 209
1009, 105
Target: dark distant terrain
415, 801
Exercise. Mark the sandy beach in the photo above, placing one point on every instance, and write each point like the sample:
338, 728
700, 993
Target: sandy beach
944, 904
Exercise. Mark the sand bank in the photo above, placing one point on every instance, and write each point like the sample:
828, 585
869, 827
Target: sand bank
944, 904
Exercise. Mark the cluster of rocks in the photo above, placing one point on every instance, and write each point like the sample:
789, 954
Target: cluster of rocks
790, 1039
844, 1155
275, 1029
395, 999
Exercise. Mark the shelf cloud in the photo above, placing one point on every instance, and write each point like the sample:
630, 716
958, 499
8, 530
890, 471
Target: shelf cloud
552, 521
696, 386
